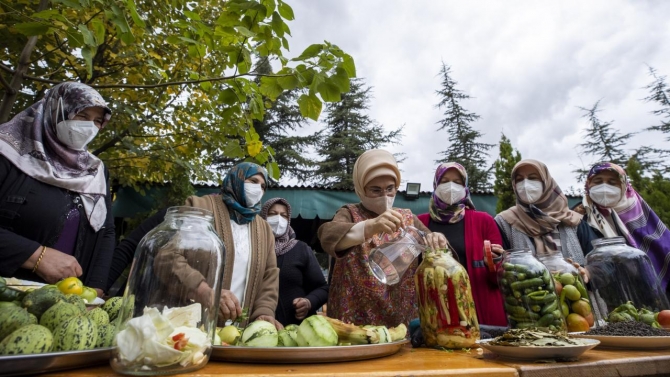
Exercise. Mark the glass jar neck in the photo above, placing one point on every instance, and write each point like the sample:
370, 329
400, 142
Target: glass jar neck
189, 215
608, 241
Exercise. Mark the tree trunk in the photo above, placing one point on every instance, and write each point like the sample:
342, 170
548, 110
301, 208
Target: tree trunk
17, 80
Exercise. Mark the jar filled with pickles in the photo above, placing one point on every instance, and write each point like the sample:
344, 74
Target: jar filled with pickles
529, 293
446, 308
621, 275
572, 294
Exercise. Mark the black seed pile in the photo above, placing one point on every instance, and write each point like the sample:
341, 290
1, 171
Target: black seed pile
628, 328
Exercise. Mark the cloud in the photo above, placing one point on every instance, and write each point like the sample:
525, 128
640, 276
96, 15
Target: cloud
528, 65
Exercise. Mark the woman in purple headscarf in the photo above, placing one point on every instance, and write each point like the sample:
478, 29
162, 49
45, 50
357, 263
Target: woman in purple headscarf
55, 204
452, 213
302, 286
613, 208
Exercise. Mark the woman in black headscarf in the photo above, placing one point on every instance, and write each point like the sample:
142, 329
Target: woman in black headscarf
55, 205
302, 286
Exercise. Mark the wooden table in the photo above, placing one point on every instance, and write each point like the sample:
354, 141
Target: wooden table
429, 362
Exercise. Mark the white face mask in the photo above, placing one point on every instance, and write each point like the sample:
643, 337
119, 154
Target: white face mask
529, 191
378, 205
450, 192
278, 224
605, 195
76, 134
253, 192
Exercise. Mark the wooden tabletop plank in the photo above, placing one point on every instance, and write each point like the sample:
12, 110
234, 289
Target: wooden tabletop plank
407, 362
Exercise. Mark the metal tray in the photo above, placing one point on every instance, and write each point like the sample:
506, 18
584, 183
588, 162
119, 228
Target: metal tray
17, 365
302, 355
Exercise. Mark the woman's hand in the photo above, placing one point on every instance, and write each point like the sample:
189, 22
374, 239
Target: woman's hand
272, 320
204, 294
302, 307
436, 240
229, 306
54, 265
388, 222
497, 250
582, 271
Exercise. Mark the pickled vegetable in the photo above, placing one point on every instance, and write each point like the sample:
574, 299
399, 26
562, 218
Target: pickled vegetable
446, 308
529, 293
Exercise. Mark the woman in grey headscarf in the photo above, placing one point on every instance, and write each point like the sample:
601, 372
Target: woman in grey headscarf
55, 204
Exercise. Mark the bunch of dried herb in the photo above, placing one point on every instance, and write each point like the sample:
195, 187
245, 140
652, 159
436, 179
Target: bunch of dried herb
533, 337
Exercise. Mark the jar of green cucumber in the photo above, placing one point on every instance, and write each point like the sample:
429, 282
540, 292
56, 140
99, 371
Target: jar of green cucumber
529, 293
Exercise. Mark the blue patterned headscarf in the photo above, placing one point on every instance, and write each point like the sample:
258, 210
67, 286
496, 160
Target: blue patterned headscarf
232, 191
442, 212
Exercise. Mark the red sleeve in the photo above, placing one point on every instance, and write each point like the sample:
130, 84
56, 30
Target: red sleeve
425, 218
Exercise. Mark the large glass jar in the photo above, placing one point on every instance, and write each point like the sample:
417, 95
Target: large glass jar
529, 293
619, 273
573, 297
167, 319
389, 261
446, 308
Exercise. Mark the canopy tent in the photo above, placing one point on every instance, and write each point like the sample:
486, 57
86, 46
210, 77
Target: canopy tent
307, 202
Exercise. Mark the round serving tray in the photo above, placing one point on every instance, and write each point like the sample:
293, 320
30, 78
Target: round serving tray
301, 355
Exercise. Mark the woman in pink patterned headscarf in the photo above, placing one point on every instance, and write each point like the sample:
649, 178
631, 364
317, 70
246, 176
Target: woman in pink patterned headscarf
452, 213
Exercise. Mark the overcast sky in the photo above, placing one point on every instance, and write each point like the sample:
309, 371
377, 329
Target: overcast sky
529, 66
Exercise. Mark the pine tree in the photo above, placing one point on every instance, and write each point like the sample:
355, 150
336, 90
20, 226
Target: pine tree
282, 118
349, 132
502, 187
603, 142
655, 190
660, 93
464, 147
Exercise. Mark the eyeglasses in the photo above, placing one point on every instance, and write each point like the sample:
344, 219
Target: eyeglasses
378, 191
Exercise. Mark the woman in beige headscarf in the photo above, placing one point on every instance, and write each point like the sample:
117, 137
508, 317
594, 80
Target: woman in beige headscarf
541, 220
355, 295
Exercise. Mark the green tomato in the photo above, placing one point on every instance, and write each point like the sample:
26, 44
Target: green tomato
571, 292
567, 278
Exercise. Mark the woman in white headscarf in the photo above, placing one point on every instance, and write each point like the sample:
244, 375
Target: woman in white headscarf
355, 295
55, 205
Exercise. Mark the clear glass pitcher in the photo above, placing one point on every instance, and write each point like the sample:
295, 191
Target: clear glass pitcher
389, 261
167, 320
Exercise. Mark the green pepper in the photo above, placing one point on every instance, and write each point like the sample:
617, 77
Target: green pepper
511, 300
525, 316
548, 308
534, 282
581, 288
515, 310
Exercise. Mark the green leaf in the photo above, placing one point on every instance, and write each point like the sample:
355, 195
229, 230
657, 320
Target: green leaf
75, 39
329, 92
273, 170
47, 14
127, 38
173, 39
310, 106
233, 149
288, 82
341, 79
270, 87
206, 86
228, 96
88, 52
277, 24
310, 52
134, 15
31, 29
270, 5
69, 3
349, 66
244, 31
98, 31
89, 39
192, 15
286, 11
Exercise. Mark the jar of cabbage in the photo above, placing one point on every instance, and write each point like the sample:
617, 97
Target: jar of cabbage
620, 274
574, 300
446, 308
167, 320
529, 293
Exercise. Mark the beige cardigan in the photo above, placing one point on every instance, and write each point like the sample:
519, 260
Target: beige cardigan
263, 280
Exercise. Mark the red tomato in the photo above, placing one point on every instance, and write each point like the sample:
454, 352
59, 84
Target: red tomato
664, 318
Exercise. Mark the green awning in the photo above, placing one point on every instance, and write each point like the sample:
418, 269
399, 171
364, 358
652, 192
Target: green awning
306, 202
